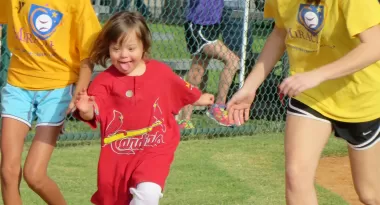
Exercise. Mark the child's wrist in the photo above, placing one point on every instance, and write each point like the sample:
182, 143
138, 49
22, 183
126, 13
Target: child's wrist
91, 108
87, 111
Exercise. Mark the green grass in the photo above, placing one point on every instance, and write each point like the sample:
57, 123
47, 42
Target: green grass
176, 48
239, 171
169, 49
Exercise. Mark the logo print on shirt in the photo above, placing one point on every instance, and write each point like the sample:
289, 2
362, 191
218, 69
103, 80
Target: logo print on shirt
21, 4
43, 21
311, 17
131, 141
188, 85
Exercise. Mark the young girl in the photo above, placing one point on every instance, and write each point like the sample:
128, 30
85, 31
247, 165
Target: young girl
135, 101
49, 42
334, 53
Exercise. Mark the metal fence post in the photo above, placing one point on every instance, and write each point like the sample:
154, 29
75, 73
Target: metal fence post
244, 43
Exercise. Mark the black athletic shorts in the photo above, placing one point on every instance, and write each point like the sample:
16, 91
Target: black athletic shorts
359, 136
198, 36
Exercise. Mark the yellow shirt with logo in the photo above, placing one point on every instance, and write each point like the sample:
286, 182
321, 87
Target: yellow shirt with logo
319, 35
48, 40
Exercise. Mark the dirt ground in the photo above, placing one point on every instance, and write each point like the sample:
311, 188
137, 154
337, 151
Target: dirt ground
334, 174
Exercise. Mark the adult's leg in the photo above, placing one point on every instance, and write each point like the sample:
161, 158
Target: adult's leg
12, 142
365, 167
305, 139
51, 112
35, 169
218, 50
194, 77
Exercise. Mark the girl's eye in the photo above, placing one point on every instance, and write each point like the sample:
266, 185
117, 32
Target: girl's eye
131, 49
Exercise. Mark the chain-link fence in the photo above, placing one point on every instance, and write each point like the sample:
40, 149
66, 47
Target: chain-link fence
167, 21
4, 54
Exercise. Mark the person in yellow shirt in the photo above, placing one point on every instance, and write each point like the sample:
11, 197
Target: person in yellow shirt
50, 43
334, 86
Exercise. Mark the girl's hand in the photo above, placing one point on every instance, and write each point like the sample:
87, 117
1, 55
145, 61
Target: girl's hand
239, 105
83, 102
296, 84
205, 100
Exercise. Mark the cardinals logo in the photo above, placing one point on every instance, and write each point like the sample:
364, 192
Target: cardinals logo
130, 141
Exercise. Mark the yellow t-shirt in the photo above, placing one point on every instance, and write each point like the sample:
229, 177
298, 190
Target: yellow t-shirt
3, 13
48, 39
318, 35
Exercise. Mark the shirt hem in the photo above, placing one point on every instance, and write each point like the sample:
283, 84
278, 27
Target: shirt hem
42, 88
317, 106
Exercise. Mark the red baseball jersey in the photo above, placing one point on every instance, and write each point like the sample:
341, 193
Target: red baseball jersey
139, 133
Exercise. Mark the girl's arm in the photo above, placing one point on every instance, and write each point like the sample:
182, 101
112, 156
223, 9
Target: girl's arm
273, 50
365, 54
85, 74
206, 99
362, 21
85, 26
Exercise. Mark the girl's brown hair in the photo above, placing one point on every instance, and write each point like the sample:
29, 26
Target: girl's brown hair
115, 30
317, 2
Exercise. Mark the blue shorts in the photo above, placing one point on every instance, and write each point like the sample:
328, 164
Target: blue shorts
48, 106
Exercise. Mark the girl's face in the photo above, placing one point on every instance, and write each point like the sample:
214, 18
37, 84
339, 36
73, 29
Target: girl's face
127, 56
